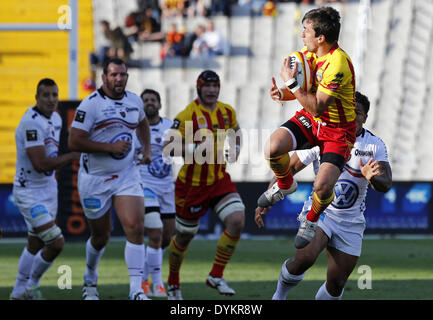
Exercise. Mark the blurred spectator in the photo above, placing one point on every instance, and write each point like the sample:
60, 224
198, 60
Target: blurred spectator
194, 8
216, 43
142, 26
199, 47
270, 9
174, 42
172, 8
220, 6
116, 45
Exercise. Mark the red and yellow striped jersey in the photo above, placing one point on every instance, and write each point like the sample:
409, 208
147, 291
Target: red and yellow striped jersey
335, 76
198, 121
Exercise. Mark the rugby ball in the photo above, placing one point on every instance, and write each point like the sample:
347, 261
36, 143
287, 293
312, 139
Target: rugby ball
304, 70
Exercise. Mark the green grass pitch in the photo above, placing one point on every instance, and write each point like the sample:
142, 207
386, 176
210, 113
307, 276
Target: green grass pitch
400, 268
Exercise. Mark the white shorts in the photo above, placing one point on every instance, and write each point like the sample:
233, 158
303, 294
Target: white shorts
343, 236
157, 198
38, 205
96, 192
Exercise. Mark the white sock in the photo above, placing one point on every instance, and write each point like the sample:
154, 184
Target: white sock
93, 257
24, 269
286, 281
38, 269
323, 294
145, 276
154, 261
134, 257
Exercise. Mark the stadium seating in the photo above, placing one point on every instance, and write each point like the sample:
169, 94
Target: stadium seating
28, 56
392, 67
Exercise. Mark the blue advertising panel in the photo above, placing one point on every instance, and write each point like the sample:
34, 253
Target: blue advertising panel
406, 207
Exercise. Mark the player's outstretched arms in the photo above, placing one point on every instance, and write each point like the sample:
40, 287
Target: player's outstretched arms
378, 174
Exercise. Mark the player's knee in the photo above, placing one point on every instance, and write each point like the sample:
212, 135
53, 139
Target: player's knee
155, 236
166, 239
152, 220
236, 222
323, 188
305, 260
336, 285
272, 148
56, 246
183, 239
100, 241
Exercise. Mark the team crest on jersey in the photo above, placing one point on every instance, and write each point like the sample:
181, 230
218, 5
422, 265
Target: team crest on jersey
79, 117
319, 75
123, 114
202, 123
32, 135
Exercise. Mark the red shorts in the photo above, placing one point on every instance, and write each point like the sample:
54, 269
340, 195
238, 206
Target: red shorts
334, 140
193, 202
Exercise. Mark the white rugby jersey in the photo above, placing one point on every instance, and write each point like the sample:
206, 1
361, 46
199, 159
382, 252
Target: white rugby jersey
35, 129
108, 120
351, 187
160, 171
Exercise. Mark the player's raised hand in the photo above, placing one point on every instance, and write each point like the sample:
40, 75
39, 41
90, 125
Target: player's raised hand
370, 169
260, 211
275, 92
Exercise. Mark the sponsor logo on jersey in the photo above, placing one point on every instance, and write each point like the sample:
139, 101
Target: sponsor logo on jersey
195, 209
92, 203
159, 168
346, 194
80, 116
124, 136
32, 135
38, 210
148, 194
362, 153
305, 121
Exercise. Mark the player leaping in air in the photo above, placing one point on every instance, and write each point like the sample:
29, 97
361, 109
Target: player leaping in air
327, 119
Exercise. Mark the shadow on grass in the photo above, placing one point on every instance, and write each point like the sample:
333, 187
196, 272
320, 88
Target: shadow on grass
260, 290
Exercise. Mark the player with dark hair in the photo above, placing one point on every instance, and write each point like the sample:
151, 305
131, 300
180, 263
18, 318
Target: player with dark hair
35, 188
203, 182
103, 129
158, 188
341, 226
327, 119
